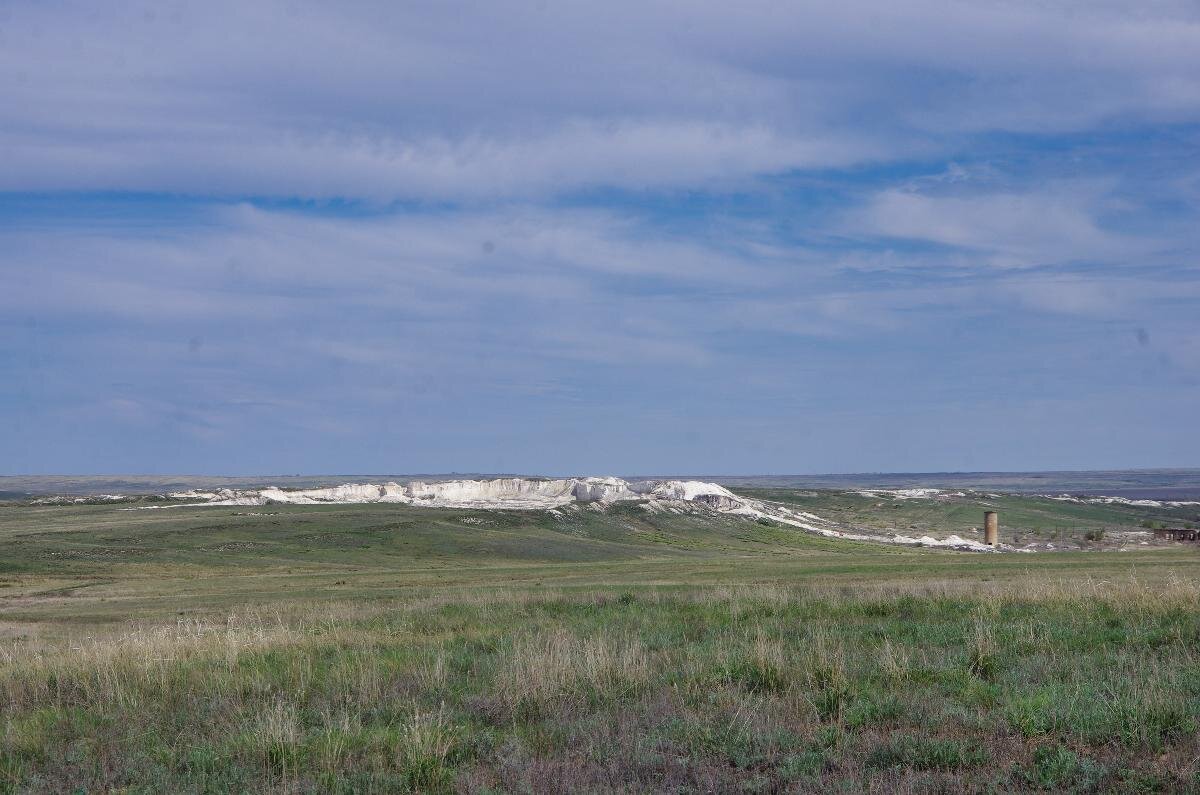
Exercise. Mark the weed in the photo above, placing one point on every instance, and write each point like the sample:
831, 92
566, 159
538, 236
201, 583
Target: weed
1059, 768
925, 753
872, 710
1033, 714
894, 662
982, 659
426, 743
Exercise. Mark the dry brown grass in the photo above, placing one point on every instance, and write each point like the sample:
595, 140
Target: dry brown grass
548, 665
802, 685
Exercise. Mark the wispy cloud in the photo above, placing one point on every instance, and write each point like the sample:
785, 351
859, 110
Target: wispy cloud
484, 100
1038, 227
585, 237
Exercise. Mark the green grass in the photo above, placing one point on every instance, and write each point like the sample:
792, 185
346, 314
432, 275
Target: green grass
1023, 518
390, 648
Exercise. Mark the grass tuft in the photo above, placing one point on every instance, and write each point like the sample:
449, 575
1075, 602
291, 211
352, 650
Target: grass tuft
925, 753
426, 748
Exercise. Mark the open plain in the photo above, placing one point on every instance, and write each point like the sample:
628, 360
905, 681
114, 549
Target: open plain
380, 647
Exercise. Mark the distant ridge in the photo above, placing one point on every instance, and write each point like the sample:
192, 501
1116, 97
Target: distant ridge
1166, 484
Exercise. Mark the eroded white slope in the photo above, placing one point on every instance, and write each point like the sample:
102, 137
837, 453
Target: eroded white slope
815, 524
548, 494
1123, 501
494, 493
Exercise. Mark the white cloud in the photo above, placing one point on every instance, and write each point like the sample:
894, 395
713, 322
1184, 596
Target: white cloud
493, 100
414, 338
1050, 224
628, 154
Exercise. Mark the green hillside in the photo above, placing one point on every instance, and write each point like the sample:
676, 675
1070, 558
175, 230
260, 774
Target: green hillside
385, 648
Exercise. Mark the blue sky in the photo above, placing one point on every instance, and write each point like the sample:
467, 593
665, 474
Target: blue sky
622, 238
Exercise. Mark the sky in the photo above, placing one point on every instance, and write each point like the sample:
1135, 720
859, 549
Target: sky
598, 238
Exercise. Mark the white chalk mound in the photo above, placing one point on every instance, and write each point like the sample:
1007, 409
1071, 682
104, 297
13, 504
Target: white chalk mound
496, 493
1123, 501
554, 494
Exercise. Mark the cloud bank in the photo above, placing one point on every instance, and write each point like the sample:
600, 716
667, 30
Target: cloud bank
468, 100
642, 238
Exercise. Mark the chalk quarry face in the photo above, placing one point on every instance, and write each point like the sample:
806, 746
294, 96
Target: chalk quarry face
496, 493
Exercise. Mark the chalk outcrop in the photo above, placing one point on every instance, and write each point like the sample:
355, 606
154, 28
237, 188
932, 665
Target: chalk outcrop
568, 494
495, 493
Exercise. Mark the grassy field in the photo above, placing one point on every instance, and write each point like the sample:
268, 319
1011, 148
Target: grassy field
1025, 519
375, 648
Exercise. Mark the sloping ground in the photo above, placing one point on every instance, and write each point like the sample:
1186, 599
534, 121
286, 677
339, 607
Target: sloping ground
102, 562
385, 647
84, 539
914, 516
555, 495
769, 688
391, 647
78, 555
1027, 521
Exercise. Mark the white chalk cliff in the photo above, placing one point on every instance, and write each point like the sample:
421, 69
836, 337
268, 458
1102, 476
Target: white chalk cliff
554, 494
497, 493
